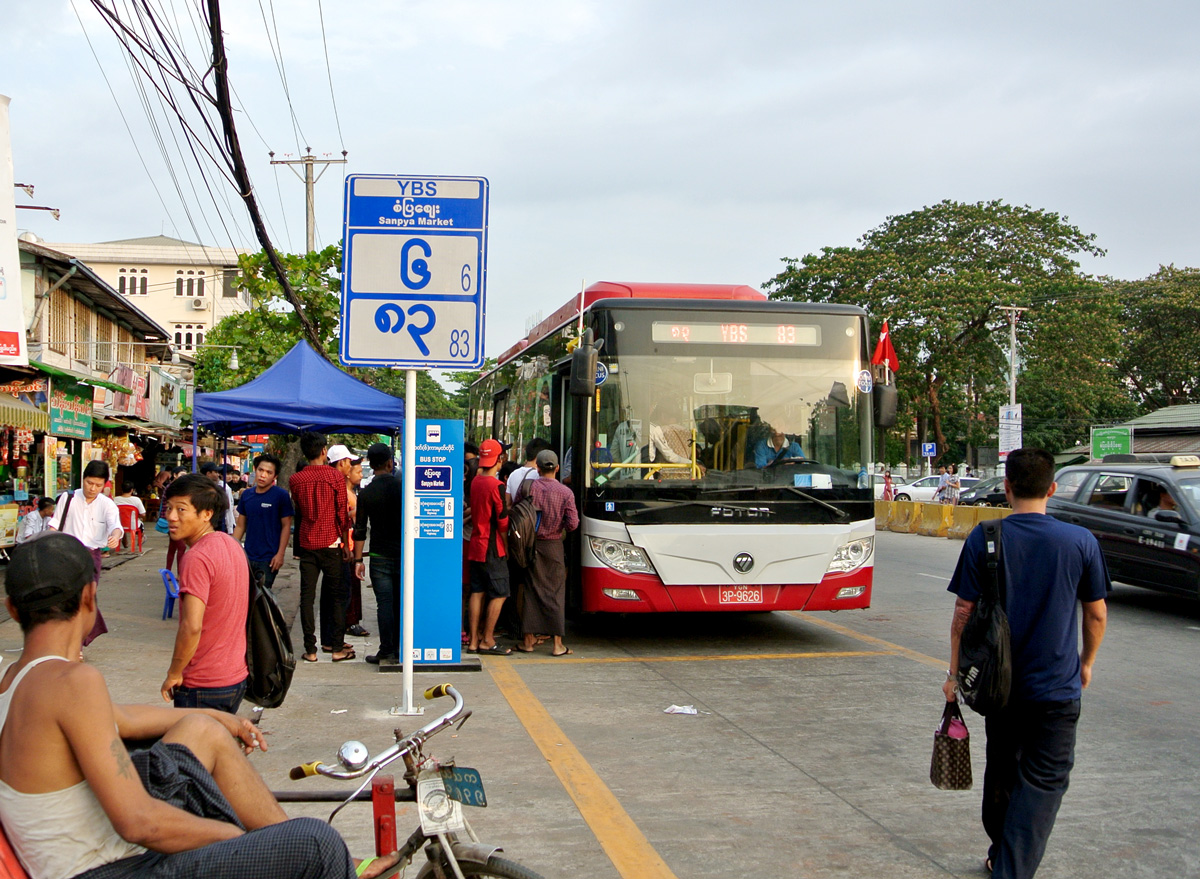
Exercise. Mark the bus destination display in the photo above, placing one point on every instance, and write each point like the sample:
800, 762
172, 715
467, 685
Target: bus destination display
735, 333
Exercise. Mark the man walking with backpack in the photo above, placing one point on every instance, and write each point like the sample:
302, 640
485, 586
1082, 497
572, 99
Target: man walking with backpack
1046, 567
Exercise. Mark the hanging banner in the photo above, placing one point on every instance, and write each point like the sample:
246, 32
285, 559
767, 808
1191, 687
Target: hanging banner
1010, 430
12, 310
70, 409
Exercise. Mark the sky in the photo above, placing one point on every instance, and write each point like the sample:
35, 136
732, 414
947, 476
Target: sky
635, 141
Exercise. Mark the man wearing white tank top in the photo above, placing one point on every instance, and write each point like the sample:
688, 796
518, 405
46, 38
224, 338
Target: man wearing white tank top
192, 805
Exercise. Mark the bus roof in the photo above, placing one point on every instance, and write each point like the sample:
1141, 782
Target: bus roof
628, 290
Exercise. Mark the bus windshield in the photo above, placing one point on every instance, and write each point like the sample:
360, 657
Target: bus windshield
739, 398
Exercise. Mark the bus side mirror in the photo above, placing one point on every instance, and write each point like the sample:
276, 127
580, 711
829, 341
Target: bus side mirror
886, 401
583, 371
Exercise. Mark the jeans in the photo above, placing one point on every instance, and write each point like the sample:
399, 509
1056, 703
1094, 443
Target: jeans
385, 580
263, 569
325, 564
1030, 752
218, 698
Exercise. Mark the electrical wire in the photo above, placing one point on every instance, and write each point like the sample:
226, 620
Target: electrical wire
279, 66
329, 73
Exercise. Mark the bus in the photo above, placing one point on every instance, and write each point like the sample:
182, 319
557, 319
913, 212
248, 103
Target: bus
723, 462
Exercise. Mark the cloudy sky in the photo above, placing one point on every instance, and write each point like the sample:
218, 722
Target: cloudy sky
656, 141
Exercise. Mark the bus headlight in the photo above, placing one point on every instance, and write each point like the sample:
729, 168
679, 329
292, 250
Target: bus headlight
851, 555
623, 557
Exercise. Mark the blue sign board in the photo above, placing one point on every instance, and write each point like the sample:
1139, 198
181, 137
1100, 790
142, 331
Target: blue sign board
438, 548
414, 271
928, 450
439, 479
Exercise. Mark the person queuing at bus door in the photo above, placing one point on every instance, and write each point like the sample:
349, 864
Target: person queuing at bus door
776, 448
228, 520
518, 577
264, 520
91, 516
470, 468
487, 551
191, 805
1052, 569
128, 499
37, 520
529, 469
544, 611
354, 592
208, 664
319, 499
380, 509
341, 459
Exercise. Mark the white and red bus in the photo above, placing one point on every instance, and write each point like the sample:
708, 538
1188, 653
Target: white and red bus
725, 453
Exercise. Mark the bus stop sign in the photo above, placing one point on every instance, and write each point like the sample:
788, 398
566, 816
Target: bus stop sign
414, 271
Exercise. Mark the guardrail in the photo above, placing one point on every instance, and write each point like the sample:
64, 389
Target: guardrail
933, 520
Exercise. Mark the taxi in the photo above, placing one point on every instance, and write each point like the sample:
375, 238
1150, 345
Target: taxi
1146, 517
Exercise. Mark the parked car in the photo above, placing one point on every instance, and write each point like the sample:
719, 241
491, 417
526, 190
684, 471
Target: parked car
1146, 518
924, 488
985, 493
897, 481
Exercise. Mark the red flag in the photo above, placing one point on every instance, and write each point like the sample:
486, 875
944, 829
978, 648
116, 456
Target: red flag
884, 352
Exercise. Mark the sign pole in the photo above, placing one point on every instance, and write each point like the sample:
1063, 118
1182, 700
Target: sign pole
408, 567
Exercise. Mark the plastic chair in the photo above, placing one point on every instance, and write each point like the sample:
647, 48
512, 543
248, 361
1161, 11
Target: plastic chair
171, 585
131, 521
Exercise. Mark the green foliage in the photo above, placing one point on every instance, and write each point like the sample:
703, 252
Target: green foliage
1161, 315
941, 276
271, 328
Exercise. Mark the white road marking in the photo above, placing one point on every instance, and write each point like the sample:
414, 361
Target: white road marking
934, 577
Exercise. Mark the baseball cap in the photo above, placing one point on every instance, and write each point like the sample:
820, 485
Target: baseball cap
489, 452
378, 455
546, 459
341, 453
48, 570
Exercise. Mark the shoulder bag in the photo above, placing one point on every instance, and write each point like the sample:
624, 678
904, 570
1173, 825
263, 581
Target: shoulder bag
270, 661
985, 647
950, 768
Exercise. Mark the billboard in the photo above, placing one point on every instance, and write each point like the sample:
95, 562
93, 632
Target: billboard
12, 300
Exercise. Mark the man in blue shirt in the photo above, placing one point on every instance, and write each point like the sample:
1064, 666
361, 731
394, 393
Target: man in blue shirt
776, 449
1047, 566
265, 519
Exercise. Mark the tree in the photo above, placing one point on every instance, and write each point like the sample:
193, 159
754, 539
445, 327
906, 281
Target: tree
1161, 315
271, 328
941, 275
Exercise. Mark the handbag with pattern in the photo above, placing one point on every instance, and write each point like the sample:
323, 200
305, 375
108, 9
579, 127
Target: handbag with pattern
950, 768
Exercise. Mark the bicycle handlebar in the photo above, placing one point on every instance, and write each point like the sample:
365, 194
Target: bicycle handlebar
403, 746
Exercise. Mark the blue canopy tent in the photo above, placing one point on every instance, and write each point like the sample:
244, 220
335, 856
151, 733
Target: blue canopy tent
303, 391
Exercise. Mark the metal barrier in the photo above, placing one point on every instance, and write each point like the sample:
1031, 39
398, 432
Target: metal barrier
906, 515
935, 519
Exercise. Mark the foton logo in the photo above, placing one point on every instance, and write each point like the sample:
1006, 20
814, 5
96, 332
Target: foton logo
741, 512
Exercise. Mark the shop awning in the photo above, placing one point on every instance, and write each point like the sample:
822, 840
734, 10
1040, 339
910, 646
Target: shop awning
106, 424
81, 377
18, 413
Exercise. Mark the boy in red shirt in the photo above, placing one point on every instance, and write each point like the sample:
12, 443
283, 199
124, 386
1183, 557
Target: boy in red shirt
486, 551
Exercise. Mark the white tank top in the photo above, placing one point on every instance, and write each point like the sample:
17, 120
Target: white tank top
34, 822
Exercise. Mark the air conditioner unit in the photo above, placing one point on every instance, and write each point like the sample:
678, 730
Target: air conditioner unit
199, 305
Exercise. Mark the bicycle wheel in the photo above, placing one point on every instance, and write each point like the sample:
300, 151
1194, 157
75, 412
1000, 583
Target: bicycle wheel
495, 868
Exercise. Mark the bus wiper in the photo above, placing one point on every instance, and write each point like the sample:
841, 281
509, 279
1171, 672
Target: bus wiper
681, 503
841, 514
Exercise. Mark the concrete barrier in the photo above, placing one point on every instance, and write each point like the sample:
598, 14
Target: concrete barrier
986, 513
935, 519
963, 522
906, 515
883, 512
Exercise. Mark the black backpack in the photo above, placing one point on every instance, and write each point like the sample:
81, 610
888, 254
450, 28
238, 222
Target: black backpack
523, 519
985, 647
270, 661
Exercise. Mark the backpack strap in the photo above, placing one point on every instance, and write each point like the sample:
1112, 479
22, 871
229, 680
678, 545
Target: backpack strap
62, 523
993, 550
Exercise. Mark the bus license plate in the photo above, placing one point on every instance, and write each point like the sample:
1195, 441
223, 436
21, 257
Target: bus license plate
740, 595
464, 784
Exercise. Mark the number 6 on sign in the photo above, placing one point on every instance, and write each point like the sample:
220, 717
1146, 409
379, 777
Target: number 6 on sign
389, 318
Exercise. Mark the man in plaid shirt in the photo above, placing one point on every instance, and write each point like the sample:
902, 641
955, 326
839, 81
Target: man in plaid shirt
319, 496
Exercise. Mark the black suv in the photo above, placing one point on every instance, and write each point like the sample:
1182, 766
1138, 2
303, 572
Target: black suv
1145, 516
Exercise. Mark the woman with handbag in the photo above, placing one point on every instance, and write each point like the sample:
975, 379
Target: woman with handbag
94, 520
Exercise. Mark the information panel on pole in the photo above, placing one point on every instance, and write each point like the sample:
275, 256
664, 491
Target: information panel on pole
414, 271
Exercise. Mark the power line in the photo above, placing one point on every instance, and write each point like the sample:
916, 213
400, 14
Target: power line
329, 73
278, 55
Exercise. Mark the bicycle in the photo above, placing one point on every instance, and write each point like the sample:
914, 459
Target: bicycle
452, 849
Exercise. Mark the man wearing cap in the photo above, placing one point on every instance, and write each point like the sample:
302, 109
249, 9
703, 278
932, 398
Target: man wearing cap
545, 600
380, 507
227, 521
319, 498
182, 808
487, 550
344, 462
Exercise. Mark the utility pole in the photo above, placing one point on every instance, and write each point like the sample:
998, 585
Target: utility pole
1013, 312
310, 215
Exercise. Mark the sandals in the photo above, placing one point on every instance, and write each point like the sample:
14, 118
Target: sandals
309, 657
567, 651
345, 656
494, 650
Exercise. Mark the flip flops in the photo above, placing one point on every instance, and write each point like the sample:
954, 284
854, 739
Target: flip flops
494, 650
567, 652
345, 657
309, 657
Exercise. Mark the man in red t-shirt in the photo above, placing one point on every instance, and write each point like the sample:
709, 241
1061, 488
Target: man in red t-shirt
208, 666
486, 551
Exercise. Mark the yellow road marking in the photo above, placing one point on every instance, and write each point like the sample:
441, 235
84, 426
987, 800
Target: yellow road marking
869, 639
625, 845
734, 657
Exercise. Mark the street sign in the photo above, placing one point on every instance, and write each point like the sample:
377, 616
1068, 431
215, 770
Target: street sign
414, 271
928, 450
1009, 429
1111, 441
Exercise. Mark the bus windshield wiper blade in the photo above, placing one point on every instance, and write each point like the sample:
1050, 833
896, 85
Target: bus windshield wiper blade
841, 514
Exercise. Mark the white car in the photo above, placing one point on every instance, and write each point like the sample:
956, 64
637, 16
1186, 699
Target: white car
924, 488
